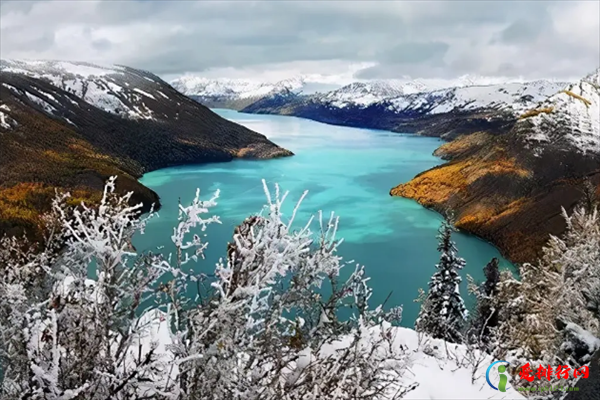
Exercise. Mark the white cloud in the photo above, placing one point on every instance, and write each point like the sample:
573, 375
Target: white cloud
272, 39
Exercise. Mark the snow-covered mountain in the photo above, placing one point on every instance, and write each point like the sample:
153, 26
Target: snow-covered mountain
367, 93
509, 97
119, 90
235, 88
571, 115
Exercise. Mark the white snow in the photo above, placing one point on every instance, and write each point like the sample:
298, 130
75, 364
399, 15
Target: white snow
585, 336
364, 94
45, 105
234, 88
98, 97
14, 89
47, 95
575, 112
163, 95
510, 97
438, 368
467, 92
154, 334
104, 87
144, 93
6, 121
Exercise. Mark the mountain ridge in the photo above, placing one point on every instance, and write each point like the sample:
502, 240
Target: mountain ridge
509, 187
70, 125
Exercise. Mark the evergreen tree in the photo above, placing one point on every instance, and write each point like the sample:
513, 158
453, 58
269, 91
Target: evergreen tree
589, 200
485, 317
443, 311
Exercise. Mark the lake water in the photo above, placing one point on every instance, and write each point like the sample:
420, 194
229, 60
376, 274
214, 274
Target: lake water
346, 170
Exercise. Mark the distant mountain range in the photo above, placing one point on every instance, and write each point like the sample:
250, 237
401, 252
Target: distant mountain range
71, 125
518, 151
401, 106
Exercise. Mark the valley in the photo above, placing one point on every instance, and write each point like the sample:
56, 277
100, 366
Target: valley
517, 152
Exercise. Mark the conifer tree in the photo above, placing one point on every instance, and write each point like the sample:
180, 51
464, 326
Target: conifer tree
443, 311
485, 317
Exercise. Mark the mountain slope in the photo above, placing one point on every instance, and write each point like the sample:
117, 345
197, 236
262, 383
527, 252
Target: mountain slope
71, 125
509, 188
442, 112
570, 117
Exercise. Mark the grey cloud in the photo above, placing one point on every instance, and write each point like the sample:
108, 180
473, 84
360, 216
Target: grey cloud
415, 52
421, 39
102, 44
520, 31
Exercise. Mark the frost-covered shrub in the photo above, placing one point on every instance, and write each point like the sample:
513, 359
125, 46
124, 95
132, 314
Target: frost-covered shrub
549, 315
264, 328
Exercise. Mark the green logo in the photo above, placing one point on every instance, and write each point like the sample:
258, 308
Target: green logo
502, 373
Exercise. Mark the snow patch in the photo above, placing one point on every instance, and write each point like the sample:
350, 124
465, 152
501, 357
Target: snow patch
39, 101
144, 93
104, 87
6, 121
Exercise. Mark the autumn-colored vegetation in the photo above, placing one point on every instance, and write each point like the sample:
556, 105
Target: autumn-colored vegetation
42, 156
439, 184
537, 111
499, 190
578, 97
463, 144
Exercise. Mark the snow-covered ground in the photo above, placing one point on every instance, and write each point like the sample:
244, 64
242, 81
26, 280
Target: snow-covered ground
366, 93
440, 370
513, 97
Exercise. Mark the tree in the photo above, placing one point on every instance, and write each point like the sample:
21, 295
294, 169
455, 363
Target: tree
589, 201
75, 337
262, 329
443, 311
485, 318
544, 314
278, 336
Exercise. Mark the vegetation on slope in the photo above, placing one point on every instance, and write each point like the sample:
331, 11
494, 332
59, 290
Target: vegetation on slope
500, 191
78, 146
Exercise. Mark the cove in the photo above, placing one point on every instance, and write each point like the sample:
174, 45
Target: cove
346, 170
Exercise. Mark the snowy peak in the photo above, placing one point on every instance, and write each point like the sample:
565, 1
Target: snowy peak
119, 90
198, 86
367, 93
234, 89
572, 115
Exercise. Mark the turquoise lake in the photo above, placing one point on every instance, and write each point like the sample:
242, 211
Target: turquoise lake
346, 170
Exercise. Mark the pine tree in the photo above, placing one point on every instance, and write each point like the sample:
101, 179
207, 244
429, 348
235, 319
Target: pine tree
485, 317
589, 200
443, 311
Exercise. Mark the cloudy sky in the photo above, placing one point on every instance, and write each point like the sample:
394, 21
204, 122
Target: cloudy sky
340, 39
